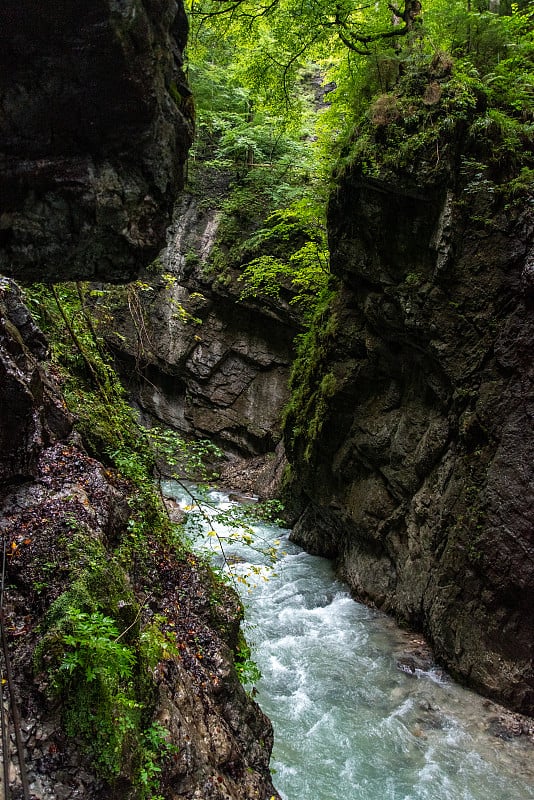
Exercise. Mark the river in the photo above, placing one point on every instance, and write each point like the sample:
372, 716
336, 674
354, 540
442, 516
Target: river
349, 724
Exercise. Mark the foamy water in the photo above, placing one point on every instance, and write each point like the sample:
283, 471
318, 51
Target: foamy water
349, 725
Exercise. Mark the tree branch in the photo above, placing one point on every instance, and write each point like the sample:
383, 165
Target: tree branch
359, 42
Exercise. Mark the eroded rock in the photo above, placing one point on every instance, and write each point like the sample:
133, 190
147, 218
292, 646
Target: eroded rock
419, 479
95, 125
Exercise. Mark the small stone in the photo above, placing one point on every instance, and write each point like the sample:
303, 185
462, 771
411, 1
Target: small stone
38, 789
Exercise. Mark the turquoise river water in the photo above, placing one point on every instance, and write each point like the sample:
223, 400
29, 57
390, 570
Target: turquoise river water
349, 724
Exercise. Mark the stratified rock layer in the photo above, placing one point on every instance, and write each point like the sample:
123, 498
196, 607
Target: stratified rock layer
418, 474
95, 123
192, 354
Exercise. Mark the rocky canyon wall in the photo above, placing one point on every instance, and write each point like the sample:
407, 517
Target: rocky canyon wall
95, 122
192, 354
95, 125
417, 472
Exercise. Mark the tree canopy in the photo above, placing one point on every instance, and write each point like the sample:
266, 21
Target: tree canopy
277, 37
349, 21
281, 85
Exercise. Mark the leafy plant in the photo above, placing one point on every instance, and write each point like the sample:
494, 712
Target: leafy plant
232, 525
93, 650
155, 748
247, 670
91, 670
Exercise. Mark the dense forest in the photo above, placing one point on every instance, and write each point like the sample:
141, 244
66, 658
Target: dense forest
287, 94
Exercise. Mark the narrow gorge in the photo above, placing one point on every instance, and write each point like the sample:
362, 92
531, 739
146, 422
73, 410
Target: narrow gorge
174, 300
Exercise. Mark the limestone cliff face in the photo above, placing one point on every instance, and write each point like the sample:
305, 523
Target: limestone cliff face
192, 354
418, 474
95, 124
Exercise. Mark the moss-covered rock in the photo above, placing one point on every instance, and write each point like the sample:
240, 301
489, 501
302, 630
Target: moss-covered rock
122, 643
418, 479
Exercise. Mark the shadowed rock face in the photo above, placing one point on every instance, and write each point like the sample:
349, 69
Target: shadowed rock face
95, 124
420, 479
195, 356
33, 411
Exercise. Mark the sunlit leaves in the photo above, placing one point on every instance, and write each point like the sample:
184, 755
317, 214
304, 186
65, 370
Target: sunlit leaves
294, 257
231, 531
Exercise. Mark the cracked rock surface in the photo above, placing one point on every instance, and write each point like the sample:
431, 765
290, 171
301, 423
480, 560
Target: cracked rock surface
418, 479
95, 124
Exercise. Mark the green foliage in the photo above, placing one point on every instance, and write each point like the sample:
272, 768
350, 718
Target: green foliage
97, 659
278, 38
502, 140
520, 187
312, 384
93, 650
293, 258
90, 384
155, 748
495, 47
107, 722
91, 670
432, 107
265, 152
491, 56
247, 670
284, 257
236, 132
99, 705
220, 528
